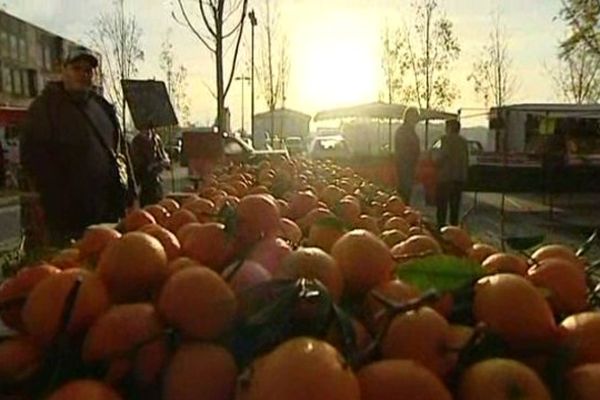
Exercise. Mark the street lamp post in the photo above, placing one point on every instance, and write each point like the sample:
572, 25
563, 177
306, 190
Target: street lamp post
242, 79
253, 23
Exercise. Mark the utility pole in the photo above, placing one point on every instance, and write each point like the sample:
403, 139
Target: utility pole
243, 79
253, 24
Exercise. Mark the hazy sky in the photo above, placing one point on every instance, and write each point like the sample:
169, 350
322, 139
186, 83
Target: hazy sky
335, 45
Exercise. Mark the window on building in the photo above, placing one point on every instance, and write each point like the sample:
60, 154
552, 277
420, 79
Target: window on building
4, 44
23, 49
25, 83
17, 84
14, 47
47, 57
6, 80
33, 83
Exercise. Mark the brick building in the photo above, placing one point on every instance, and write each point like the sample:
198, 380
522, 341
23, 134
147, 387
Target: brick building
29, 57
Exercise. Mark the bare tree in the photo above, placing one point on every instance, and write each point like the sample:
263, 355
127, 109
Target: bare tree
493, 77
427, 49
583, 19
176, 80
219, 21
117, 36
274, 65
576, 76
395, 70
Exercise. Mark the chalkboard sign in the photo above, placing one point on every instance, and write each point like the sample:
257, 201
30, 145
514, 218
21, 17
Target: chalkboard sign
149, 104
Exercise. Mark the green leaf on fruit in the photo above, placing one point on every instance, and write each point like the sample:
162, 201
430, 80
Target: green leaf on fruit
440, 272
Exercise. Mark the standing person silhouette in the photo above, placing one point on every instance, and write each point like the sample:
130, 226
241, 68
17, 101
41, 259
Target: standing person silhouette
407, 151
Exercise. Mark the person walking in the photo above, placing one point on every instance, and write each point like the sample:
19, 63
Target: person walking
74, 153
407, 151
453, 163
149, 160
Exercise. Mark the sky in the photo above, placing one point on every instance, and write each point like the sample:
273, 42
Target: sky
334, 46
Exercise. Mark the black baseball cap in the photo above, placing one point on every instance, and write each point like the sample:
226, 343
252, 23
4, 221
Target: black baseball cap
79, 53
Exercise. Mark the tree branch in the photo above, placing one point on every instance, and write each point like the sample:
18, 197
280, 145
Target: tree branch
193, 29
237, 48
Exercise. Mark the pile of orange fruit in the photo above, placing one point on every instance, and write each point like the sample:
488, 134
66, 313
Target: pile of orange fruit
297, 280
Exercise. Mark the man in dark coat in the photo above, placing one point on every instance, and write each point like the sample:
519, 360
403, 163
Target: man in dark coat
75, 155
149, 160
407, 150
453, 165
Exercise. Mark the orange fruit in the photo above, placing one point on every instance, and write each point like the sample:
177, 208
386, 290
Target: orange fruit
501, 379
513, 308
106, 341
290, 231
257, 216
505, 263
348, 211
566, 282
45, 305
395, 290
203, 209
169, 204
301, 203
168, 240
94, 241
583, 382
312, 263
400, 379
270, 252
418, 335
159, 213
415, 246
181, 263
457, 236
412, 216
480, 251
364, 259
556, 251
394, 205
246, 276
183, 232
19, 286
208, 244
179, 218
392, 237
67, 259
396, 222
198, 302
85, 389
20, 358
582, 336
313, 216
368, 223
200, 371
331, 194
284, 208
133, 267
301, 368
137, 218
324, 232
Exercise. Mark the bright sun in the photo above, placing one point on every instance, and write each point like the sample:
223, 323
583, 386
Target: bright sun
336, 64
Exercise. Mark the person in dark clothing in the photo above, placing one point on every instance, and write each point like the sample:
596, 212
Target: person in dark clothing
407, 150
74, 153
149, 160
453, 164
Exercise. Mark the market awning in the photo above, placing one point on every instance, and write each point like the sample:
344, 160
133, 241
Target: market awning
379, 110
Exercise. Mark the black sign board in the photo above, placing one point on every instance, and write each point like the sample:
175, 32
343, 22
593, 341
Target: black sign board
149, 103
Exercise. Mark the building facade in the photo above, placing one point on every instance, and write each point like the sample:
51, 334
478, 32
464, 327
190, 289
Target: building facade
280, 123
29, 58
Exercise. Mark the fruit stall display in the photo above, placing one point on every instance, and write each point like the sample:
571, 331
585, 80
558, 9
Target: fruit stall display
298, 280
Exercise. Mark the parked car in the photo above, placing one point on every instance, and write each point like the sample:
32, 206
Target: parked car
237, 150
475, 149
295, 145
329, 147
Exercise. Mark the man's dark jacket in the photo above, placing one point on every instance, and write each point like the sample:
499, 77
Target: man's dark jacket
71, 165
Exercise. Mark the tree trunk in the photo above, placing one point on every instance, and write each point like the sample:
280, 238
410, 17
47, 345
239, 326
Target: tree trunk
219, 58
